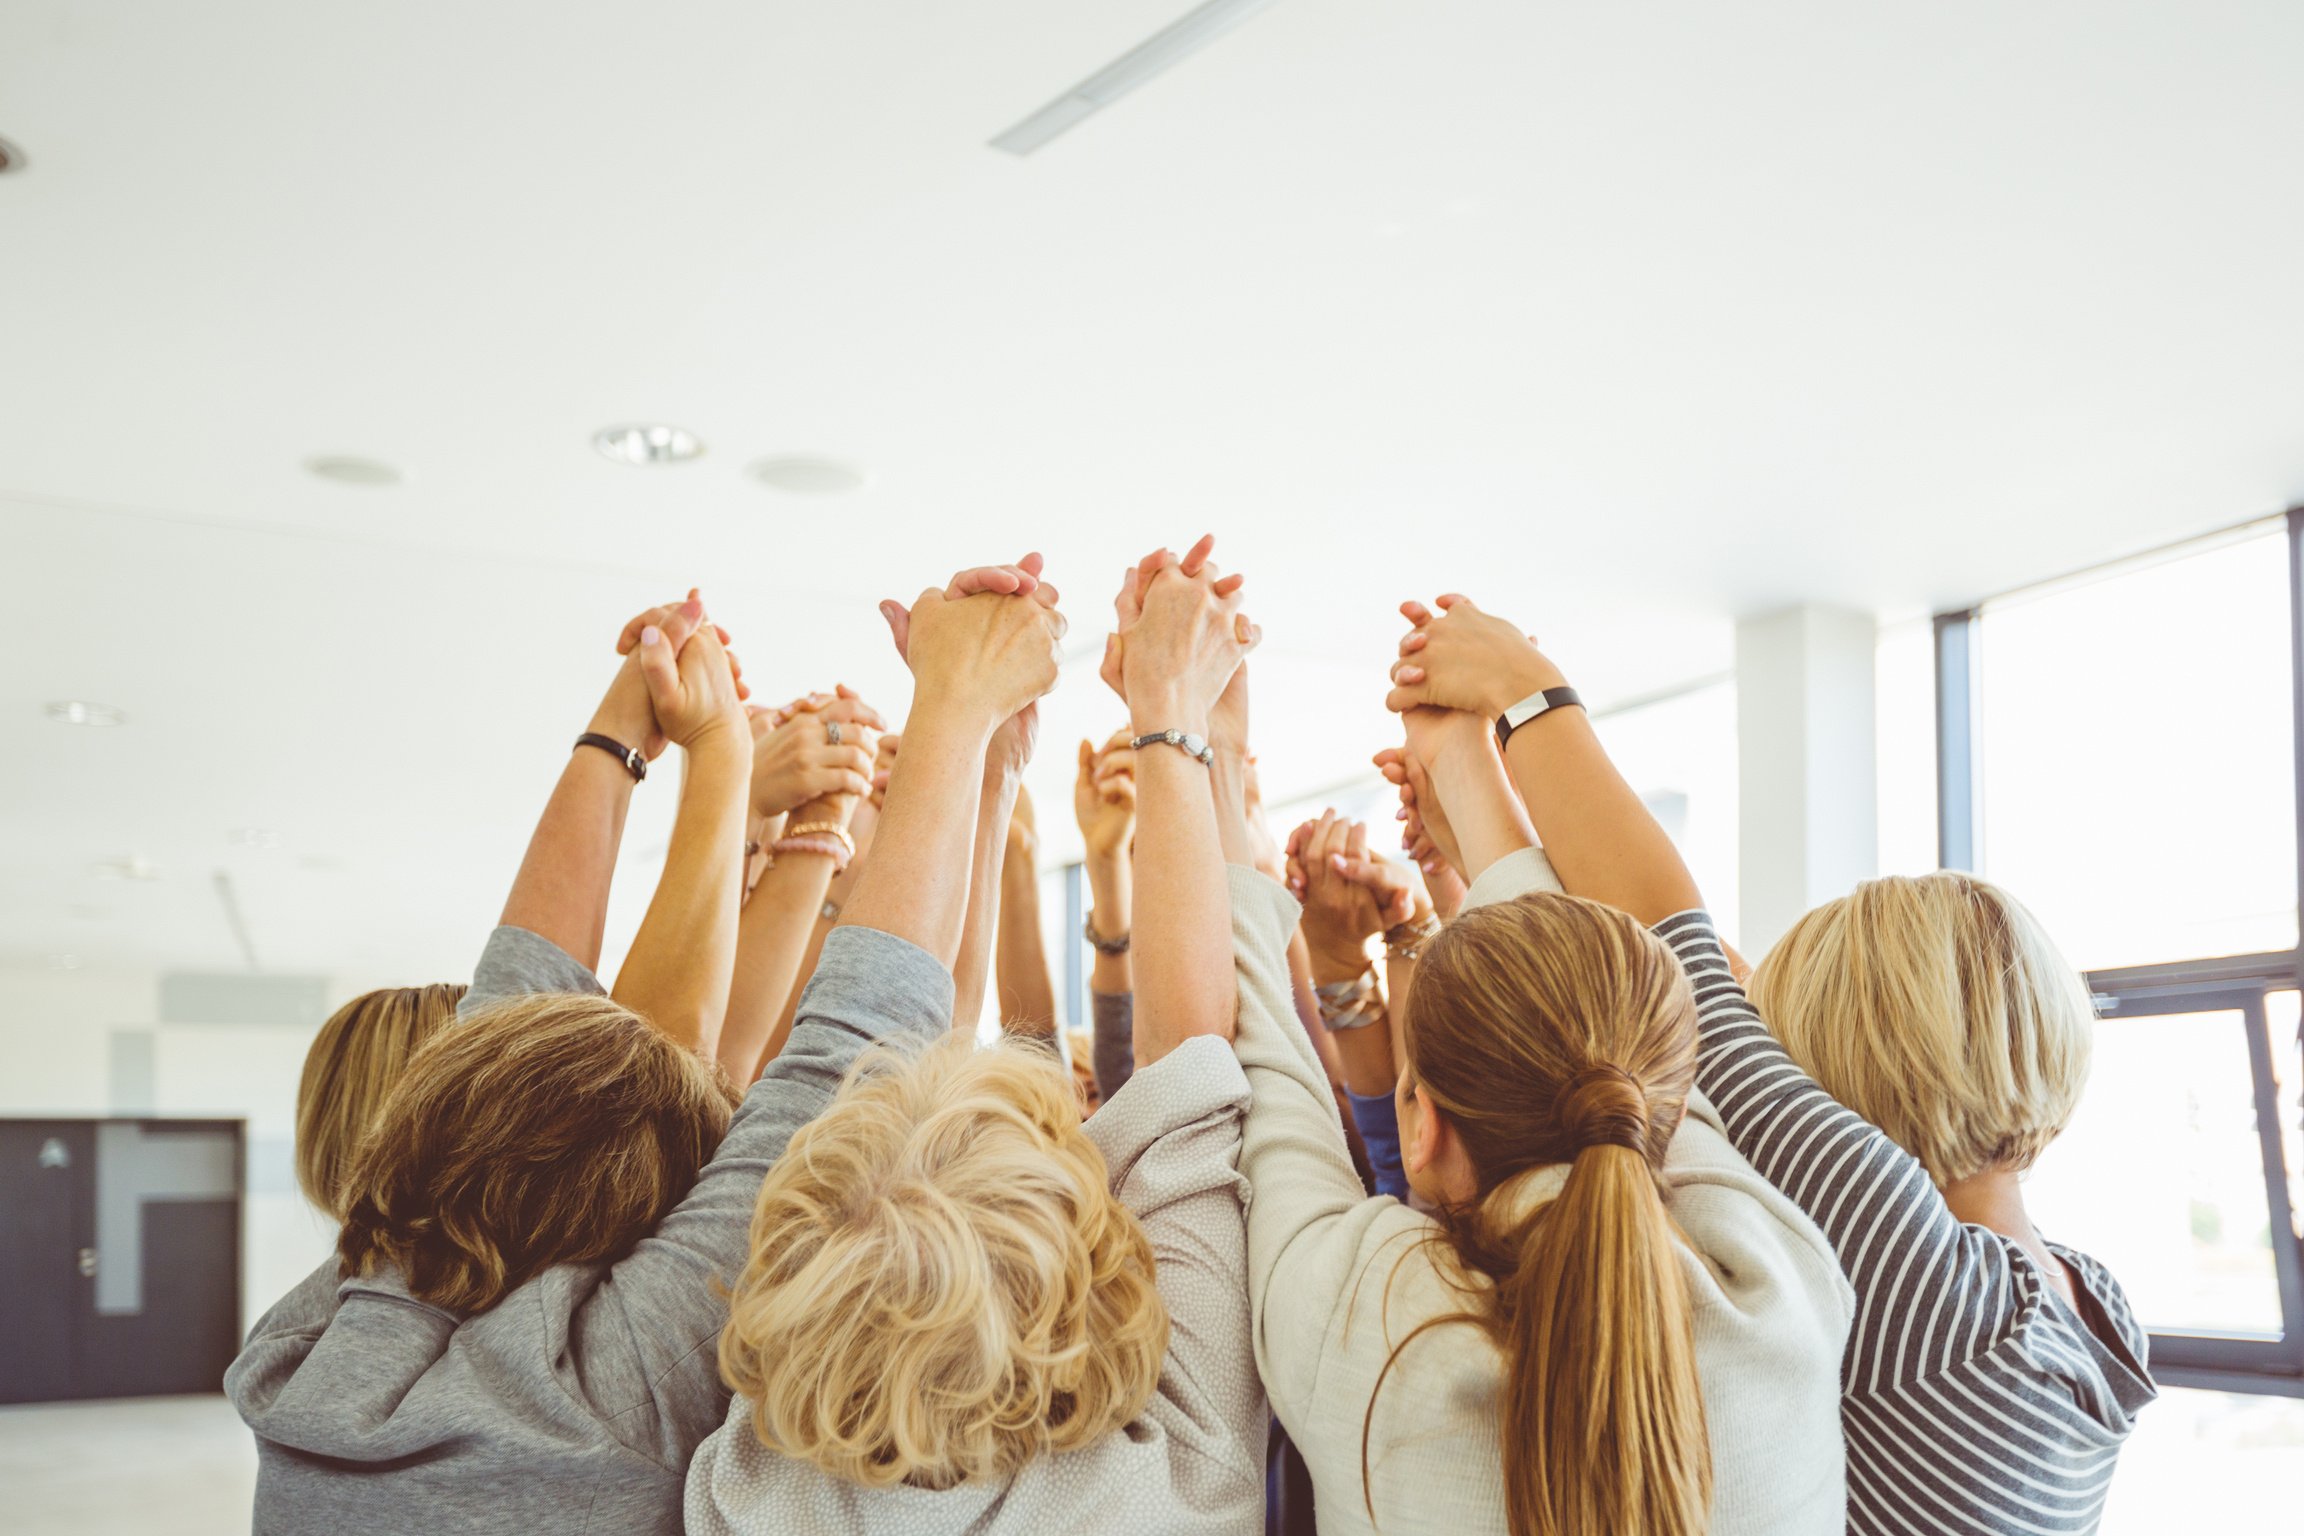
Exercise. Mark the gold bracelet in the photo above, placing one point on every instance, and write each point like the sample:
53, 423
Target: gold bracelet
831, 829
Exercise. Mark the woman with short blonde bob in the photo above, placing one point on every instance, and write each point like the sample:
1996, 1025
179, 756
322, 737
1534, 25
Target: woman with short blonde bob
352, 1064
1928, 1041
967, 1310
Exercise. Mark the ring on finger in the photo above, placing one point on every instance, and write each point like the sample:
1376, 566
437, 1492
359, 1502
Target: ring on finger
832, 732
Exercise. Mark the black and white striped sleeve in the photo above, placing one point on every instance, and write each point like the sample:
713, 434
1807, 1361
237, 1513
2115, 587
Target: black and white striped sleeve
1929, 1292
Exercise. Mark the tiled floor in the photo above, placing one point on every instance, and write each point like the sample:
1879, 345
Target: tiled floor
159, 1466
183, 1466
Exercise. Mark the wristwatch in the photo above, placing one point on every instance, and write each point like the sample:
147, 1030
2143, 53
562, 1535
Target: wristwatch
1192, 746
1529, 708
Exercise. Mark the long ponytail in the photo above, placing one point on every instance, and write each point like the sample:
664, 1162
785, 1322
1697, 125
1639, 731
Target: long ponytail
1554, 1031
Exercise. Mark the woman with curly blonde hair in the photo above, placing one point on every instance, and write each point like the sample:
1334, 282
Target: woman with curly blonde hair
966, 1309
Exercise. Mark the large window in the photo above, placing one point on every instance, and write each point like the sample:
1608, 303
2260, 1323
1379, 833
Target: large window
2120, 752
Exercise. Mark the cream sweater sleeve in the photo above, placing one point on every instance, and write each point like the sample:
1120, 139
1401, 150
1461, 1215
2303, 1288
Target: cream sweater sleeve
1307, 1214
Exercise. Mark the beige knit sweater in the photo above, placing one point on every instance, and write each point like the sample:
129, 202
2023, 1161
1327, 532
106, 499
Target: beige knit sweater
1337, 1278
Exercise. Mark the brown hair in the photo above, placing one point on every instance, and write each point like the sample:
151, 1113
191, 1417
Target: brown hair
1552, 1030
353, 1063
548, 1129
1938, 1009
942, 1285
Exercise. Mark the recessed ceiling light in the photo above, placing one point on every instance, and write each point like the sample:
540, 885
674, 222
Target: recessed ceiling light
350, 469
254, 837
64, 962
81, 712
647, 444
132, 867
810, 474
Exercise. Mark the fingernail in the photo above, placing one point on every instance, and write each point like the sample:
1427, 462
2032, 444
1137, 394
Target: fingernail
1337, 860
650, 634
1400, 814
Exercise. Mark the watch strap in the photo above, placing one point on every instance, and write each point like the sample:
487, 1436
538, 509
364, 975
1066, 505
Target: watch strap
1532, 706
634, 763
1193, 747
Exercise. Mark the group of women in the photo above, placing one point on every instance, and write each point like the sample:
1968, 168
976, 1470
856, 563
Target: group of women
1557, 1219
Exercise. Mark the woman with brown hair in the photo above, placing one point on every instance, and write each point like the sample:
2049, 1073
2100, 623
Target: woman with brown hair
1610, 1326
1923, 1041
351, 1065
518, 1330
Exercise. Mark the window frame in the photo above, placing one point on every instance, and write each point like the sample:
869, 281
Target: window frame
2230, 1362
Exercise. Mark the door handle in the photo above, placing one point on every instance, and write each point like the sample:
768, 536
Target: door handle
87, 1263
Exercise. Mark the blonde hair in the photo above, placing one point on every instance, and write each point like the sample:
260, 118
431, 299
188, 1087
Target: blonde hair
1553, 1030
942, 1286
1939, 1009
549, 1129
353, 1063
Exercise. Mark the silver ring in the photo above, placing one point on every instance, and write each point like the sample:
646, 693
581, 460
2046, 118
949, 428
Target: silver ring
832, 732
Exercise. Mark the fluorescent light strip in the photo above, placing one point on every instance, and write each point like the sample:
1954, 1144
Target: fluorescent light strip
1165, 49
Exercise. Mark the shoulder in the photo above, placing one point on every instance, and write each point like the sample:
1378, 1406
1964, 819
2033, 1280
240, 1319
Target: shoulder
516, 962
1759, 1250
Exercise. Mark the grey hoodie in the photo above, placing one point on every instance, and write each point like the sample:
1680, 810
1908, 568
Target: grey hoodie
575, 1403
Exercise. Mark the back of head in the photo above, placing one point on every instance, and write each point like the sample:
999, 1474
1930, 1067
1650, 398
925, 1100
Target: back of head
942, 1286
1550, 1031
547, 1129
353, 1063
1938, 1009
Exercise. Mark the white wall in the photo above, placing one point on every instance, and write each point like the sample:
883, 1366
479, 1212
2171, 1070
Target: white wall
57, 1033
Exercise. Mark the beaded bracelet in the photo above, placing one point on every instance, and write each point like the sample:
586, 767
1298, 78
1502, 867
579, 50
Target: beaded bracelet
830, 829
793, 842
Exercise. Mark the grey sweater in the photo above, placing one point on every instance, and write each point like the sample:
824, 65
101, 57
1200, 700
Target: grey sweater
1192, 1462
575, 1403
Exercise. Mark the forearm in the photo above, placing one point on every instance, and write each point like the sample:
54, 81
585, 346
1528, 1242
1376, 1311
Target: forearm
1484, 814
1183, 937
1599, 836
1027, 995
915, 882
1109, 887
973, 970
561, 891
777, 931
679, 968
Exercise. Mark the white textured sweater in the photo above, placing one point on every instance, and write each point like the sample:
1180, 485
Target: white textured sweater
1337, 1279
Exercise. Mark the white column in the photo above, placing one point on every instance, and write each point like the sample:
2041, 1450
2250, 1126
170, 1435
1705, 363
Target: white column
1807, 821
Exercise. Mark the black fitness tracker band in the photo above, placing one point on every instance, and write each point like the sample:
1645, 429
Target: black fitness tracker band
1529, 708
634, 763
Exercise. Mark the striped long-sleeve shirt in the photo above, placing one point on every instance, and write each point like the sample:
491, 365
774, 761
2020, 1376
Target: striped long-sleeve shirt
1975, 1399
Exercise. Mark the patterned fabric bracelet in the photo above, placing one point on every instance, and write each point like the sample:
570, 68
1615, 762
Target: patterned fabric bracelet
1353, 1004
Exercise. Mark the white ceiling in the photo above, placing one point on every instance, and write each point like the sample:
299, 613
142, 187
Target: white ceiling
1629, 318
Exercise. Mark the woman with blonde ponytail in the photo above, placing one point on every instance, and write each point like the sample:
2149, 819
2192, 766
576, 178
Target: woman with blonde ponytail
1609, 1326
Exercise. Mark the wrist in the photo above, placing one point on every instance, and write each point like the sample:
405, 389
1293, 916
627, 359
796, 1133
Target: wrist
1333, 961
1527, 674
1152, 710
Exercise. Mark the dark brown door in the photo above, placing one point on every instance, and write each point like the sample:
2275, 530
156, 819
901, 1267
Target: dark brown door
48, 1209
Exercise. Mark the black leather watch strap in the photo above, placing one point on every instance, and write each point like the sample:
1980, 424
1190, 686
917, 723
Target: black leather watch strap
1531, 708
634, 763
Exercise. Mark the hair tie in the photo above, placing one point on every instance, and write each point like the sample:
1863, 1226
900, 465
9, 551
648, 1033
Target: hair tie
1603, 1106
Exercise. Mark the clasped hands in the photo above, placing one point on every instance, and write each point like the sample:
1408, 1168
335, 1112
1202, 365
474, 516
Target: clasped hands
985, 648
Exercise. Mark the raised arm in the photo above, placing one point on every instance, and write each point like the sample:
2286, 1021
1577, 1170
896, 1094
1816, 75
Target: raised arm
1181, 638
677, 971
1598, 834
561, 891
809, 772
1027, 994
1104, 803
977, 659
995, 809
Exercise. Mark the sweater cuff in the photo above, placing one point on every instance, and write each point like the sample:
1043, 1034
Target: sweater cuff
1515, 874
